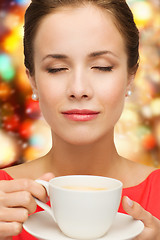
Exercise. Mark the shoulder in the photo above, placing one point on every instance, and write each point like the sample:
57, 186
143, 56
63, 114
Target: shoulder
143, 171
138, 173
24, 170
31, 170
17, 171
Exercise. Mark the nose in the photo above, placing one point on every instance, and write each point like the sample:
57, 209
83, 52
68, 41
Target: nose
79, 86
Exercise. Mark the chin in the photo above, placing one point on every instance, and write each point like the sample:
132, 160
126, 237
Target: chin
82, 136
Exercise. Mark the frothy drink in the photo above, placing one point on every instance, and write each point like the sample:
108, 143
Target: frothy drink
84, 188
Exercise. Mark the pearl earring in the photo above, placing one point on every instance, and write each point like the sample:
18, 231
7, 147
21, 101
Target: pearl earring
34, 97
129, 93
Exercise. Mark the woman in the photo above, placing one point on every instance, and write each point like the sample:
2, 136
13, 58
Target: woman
81, 58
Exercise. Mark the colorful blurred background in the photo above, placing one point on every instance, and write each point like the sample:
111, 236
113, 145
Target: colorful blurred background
24, 134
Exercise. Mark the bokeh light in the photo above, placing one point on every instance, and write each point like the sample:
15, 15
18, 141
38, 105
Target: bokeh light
7, 70
22, 2
24, 134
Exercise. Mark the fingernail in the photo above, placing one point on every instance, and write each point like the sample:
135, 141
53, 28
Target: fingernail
129, 201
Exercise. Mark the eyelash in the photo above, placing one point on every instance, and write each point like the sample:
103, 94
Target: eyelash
102, 69
56, 70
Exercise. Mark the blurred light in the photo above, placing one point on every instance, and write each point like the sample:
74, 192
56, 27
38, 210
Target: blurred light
9, 74
32, 108
11, 21
14, 40
22, 2
6, 69
149, 142
11, 43
12, 3
7, 109
25, 129
3, 14
37, 141
11, 123
5, 91
143, 130
31, 153
5, 62
142, 12
155, 106
133, 129
9, 149
22, 81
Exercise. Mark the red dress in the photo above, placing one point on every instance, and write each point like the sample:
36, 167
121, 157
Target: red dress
147, 194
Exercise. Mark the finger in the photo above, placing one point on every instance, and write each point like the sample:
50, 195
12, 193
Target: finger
29, 185
47, 176
9, 229
137, 212
13, 215
19, 199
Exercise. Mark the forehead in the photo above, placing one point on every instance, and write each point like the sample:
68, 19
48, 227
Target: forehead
84, 27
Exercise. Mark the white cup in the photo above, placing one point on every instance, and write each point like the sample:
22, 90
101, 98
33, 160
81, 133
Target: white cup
83, 206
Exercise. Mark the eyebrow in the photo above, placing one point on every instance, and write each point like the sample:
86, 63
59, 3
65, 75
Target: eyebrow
91, 55
56, 56
100, 53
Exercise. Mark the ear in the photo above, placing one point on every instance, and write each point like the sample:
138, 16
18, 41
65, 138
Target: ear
32, 81
130, 82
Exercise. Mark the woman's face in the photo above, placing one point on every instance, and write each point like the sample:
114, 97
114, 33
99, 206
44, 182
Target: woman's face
80, 73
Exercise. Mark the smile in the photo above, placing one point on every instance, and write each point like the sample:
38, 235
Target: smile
80, 115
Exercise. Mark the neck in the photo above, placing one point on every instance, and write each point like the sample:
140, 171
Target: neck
99, 158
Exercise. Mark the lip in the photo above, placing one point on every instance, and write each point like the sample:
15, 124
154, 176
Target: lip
80, 114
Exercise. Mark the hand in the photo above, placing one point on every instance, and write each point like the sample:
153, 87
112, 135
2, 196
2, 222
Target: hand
17, 201
151, 224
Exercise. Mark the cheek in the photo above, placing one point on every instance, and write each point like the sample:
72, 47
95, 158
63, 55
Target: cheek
117, 95
113, 103
49, 90
50, 97
113, 96
113, 92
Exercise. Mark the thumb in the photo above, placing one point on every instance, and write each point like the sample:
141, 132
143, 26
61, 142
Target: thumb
47, 176
136, 211
127, 204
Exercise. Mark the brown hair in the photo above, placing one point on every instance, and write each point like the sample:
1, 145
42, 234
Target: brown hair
119, 10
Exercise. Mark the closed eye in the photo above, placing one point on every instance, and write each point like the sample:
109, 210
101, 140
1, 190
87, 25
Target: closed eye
56, 70
104, 69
